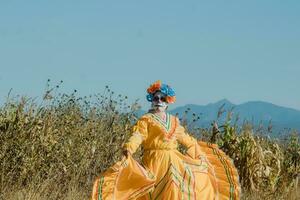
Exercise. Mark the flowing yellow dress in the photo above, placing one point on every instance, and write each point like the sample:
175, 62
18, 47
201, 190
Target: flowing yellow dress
204, 173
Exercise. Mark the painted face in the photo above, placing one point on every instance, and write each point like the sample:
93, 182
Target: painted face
159, 102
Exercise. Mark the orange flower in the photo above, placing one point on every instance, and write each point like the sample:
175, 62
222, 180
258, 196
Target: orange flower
170, 99
155, 86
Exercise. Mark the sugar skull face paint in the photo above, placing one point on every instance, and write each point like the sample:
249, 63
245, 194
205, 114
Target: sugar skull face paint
159, 102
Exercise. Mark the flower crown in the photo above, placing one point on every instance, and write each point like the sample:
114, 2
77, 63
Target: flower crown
163, 88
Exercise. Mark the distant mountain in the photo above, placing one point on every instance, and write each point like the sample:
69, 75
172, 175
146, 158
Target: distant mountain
256, 112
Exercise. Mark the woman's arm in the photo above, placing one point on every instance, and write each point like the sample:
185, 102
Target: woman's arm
193, 149
138, 135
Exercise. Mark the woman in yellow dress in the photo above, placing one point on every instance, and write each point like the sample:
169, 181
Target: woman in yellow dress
205, 172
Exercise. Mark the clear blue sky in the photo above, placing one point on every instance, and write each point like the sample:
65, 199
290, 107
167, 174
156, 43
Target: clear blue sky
206, 50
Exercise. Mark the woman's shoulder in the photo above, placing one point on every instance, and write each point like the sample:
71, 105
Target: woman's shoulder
145, 116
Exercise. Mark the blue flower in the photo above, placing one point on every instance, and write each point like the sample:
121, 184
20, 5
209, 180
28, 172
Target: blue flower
164, 89
167, 90
149, 97
171, 92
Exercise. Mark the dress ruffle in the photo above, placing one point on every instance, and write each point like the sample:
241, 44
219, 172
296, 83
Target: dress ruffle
126, 179
221, 171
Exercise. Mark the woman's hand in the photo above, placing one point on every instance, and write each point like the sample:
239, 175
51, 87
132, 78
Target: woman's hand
125, 153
